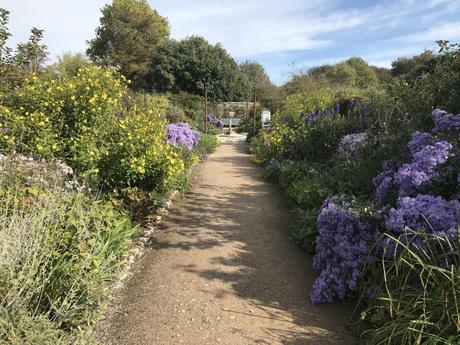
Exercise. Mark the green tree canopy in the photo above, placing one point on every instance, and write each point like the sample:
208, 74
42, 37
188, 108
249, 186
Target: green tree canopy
413, 67
68, 64
255, 76
352, 73
32, 54
191, 64
127, 36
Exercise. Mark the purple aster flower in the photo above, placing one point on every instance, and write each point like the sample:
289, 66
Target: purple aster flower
352, 142
427, 213
182, 134
419, 141
342, 247
445, 121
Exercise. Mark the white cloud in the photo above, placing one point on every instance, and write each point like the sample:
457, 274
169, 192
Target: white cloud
444, 31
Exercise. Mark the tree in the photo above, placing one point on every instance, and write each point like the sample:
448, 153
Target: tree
413, 67
68, 64
255, 76
33, 54
128, 33
343, 74
5, 52
383, 74
365, 75
191, 65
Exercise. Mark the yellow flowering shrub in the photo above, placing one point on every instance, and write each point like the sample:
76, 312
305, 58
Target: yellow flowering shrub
139, 154
90, 122
66, 118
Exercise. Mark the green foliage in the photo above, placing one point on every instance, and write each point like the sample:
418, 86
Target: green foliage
67, 118
413, 67
69, 64
17, 327
343, 74
192, 64
208, 144
419, 303
58, 250
365, 74
256, 77
353, 73
81, 120
5, 52
127, 36
303, 229
307, 193
33, 54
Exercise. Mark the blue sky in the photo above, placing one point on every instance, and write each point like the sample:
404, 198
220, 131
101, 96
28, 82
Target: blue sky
286, 36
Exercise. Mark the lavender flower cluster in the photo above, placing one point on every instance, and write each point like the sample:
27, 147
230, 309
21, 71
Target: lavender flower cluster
352, 142
445, 121
342, 247
427, 155
215, 121
181, 134
344, 240
425, 212
352, 105
419, 212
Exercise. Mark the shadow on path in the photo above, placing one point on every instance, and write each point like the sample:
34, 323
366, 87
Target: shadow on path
227, 241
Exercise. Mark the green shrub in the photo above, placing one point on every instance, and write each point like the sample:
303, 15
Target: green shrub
208, 144
303, 228
308, 193
66, 118
59, 249
138, 154
17, 327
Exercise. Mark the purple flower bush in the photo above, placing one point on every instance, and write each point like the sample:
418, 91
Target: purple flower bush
352, 106
427, 155
425, 212
215, 121
342, 249
445, 121
345, 242
411, 177
352, 142
181, 134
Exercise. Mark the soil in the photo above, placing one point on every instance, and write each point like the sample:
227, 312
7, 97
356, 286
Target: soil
223, 271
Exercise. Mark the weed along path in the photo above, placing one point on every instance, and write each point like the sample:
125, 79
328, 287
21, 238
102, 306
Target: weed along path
222, 271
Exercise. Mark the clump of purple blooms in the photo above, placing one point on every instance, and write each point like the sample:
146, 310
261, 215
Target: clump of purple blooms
427, 155
445, 121
344, 240
352, 142
352, 105
181, 134
342, 247
215, 121
425, 212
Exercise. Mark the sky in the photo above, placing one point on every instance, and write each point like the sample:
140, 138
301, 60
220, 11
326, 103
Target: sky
285, 36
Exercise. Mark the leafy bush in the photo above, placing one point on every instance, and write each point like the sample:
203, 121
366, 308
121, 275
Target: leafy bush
208, 144
67, 118
303, 229
58, 250
138, 154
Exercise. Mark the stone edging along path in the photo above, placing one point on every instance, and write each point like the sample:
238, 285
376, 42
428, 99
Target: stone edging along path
223, 271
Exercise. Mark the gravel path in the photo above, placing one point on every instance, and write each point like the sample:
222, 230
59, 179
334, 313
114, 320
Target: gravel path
222, 271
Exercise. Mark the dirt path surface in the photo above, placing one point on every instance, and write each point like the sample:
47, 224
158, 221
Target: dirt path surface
222, 271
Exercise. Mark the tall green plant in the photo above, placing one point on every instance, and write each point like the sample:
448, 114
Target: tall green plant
420, 301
